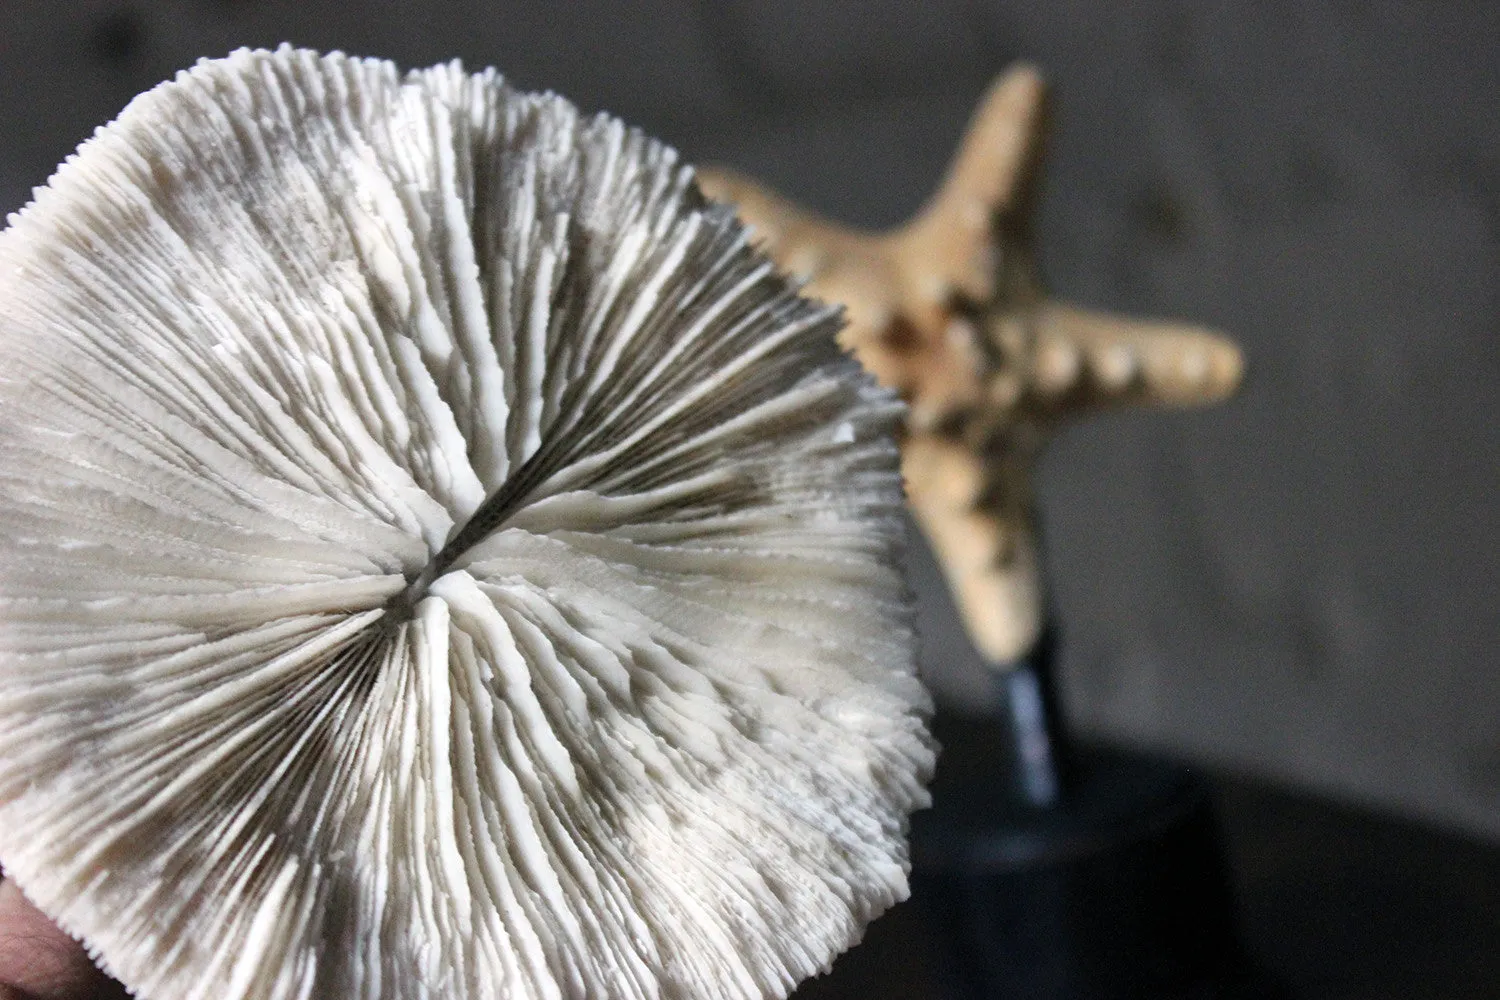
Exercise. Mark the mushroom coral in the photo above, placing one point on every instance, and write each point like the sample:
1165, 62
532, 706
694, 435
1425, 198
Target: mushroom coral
438, 558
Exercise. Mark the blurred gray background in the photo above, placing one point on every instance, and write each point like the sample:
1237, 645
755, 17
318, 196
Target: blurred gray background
1299, 586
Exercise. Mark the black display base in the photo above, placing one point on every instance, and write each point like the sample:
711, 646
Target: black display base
1118, 889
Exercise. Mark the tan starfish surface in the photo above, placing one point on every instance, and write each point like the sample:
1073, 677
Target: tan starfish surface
948, 310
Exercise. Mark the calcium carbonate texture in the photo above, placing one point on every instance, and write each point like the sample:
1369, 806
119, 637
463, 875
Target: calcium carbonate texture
270, 726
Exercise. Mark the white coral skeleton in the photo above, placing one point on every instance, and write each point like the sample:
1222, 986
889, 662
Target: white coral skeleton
438, 559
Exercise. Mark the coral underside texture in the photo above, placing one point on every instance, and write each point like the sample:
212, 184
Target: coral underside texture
438, 559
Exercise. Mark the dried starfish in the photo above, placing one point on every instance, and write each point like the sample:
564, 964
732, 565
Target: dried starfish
948, 310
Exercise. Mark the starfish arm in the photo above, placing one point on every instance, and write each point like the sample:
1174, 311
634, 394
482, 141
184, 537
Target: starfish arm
950, 248
838, 263
984, 541
804, 240
1094, 360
